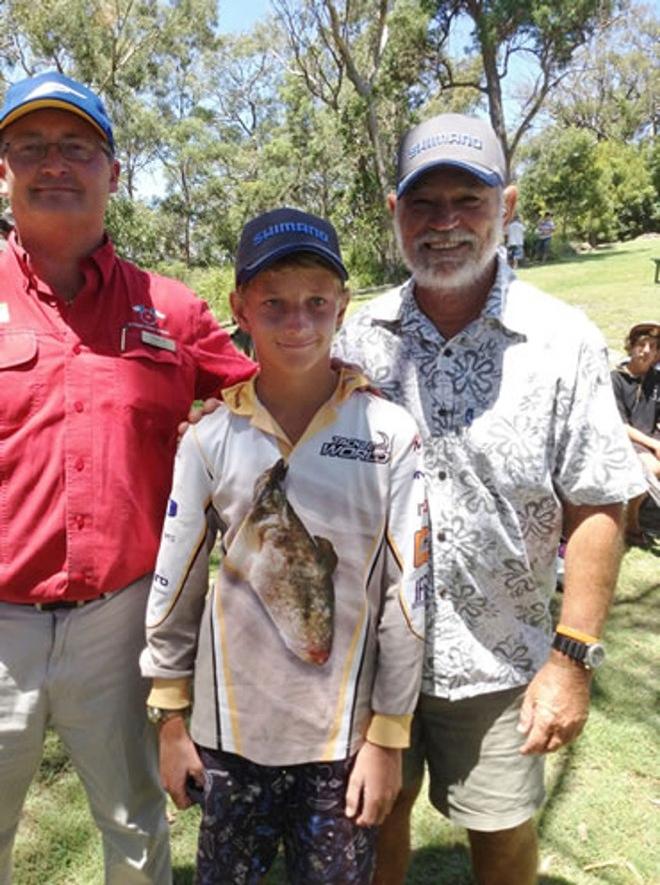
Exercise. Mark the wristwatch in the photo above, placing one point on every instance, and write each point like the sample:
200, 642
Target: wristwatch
580, 647
156, 715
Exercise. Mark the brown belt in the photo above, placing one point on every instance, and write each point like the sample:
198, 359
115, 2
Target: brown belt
66, 603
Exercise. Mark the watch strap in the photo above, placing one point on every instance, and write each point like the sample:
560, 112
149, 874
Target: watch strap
572, 633
575, 649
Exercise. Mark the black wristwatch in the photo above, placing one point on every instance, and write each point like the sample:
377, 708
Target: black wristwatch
590, 654
157, 715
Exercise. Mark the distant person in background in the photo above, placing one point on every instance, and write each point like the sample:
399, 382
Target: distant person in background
636, 383
515, 241
544, 231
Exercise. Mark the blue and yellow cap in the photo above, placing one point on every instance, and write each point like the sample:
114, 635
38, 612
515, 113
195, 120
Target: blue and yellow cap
54, 90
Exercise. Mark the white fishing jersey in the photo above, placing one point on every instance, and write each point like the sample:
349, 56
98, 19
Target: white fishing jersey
312, 637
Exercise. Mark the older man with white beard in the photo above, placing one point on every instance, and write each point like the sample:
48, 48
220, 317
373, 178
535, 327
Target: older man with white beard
511, 391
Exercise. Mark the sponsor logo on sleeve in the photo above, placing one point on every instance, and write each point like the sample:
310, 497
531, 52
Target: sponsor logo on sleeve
422, 590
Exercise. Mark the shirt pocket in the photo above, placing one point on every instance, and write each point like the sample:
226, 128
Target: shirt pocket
154, 384
20, 382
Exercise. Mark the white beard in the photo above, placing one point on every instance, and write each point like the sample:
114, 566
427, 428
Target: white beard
442, 278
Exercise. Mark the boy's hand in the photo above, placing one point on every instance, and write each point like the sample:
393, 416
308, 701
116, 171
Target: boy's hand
197, 412
178, 760
373, 785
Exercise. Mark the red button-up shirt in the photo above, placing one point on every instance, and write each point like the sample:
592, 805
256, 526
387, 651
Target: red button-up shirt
91, 393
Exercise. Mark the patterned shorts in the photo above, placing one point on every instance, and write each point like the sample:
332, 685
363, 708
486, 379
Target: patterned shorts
249, 809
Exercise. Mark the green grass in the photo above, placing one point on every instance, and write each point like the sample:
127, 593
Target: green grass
601, 822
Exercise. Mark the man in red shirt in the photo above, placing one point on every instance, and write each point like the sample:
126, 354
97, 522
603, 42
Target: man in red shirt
99, 361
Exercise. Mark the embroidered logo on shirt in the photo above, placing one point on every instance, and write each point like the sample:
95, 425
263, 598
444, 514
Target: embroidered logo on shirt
4, 312
359, 449
148, 315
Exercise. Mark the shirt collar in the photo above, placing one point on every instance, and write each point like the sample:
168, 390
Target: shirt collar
101, 261
242, 399
400, 314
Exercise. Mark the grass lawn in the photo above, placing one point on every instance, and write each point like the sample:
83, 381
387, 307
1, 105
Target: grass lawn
602, 818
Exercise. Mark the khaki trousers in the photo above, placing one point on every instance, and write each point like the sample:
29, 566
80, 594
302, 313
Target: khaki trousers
76, 670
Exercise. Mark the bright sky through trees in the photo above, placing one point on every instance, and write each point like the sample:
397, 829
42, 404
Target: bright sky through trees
240, 15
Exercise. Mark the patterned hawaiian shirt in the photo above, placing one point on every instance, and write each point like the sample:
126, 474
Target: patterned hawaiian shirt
517, 413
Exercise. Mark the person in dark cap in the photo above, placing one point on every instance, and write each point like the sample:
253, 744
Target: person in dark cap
99, 361
511, 391
307, 668
636, 383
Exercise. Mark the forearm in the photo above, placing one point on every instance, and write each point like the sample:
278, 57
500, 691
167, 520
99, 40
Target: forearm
643, 439
593, 556
179, 760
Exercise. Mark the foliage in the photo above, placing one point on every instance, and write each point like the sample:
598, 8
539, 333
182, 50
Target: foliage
632, 200
545, 34
138, 232
598, 190
212, 284
610, 92
562, 178
308, 107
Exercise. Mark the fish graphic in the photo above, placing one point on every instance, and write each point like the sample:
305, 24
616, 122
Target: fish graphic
289, 570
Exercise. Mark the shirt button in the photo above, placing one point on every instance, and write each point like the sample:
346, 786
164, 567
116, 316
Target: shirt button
78, 406
442, 474
448, 352
442, 593
80, 463
80, 521
77, 348
441, 536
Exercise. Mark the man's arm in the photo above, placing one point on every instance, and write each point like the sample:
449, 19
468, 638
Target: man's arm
174, 611
556, 703
179, 760
374, 784
637, 436
376, 777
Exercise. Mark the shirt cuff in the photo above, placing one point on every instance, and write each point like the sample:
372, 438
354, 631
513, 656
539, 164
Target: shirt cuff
390, 731
170, 694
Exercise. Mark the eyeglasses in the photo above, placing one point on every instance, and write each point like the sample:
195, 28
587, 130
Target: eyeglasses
27, 151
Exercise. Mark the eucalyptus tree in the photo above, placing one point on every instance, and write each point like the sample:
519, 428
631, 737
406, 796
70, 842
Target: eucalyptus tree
507, 36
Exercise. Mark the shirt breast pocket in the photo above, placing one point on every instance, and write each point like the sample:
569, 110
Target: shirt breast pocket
153, 384
20, 383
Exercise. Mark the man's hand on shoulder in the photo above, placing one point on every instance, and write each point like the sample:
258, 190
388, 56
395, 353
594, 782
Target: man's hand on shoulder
196, 413
556, 705
374, 784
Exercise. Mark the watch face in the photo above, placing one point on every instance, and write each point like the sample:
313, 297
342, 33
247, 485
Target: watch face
154, 714
595, 655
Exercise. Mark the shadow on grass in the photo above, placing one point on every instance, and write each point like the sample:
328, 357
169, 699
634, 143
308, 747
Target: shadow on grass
634, 619
183, 874
431, 865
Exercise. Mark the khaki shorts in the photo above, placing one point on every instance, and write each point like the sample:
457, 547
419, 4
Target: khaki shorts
477, 776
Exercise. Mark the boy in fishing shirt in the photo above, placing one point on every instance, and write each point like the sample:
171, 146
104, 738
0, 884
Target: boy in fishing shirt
304, 661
